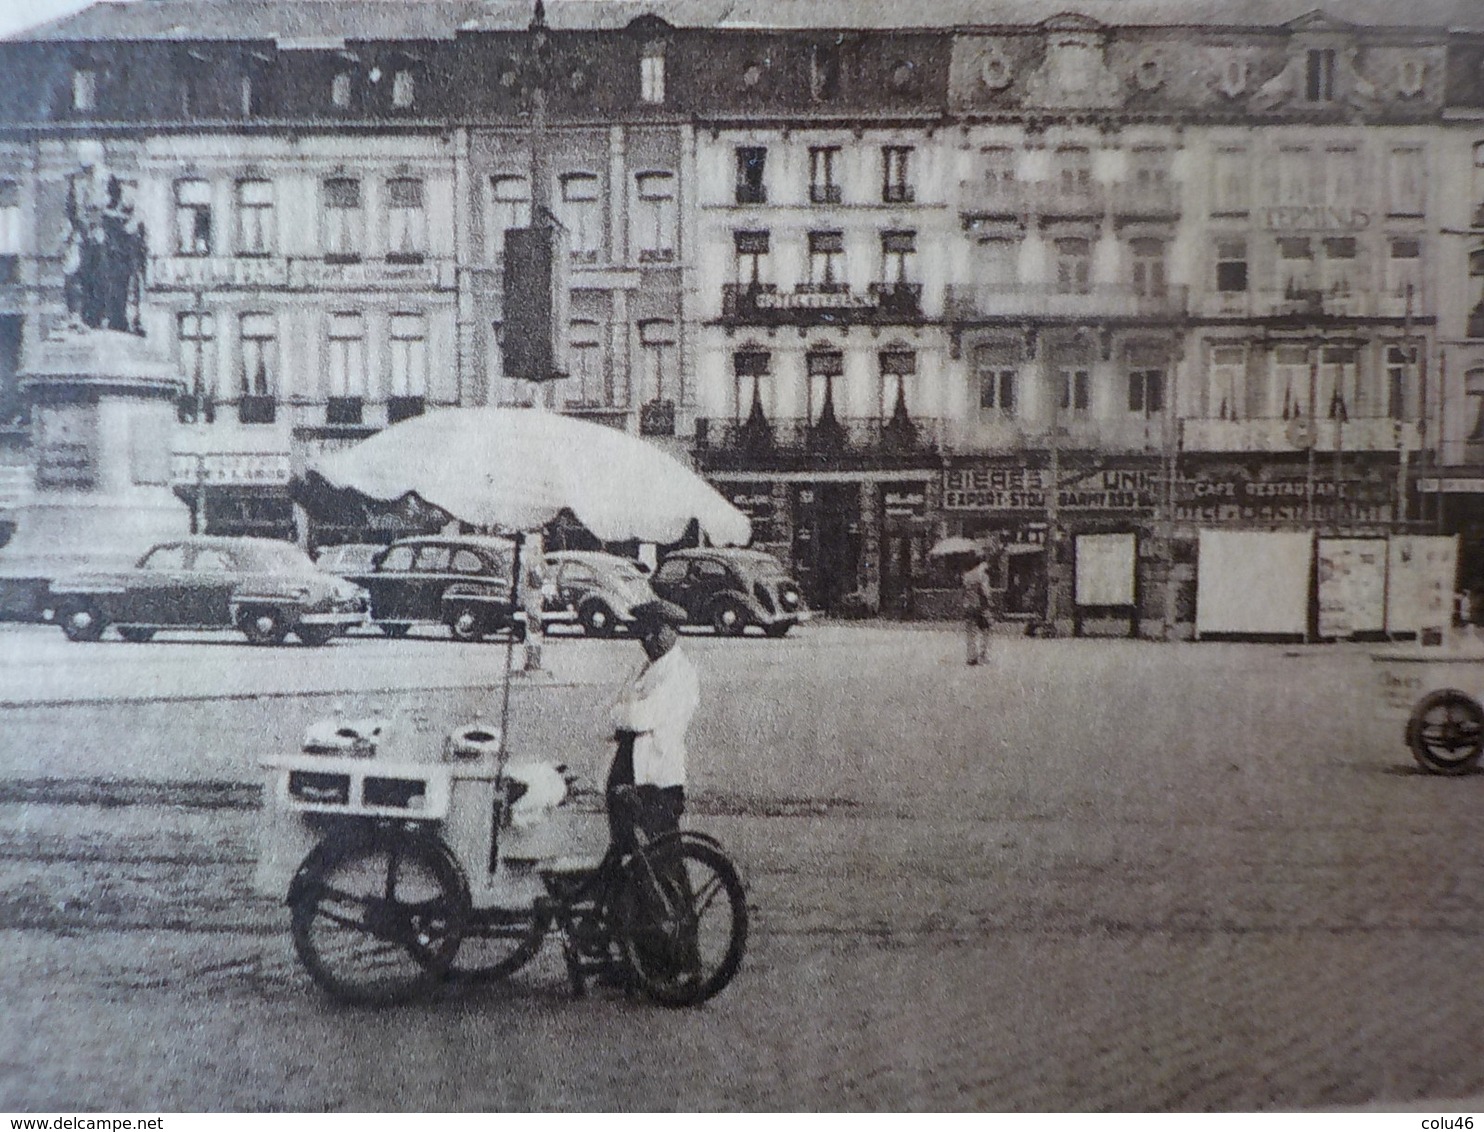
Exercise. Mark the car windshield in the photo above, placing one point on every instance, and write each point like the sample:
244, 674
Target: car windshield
270, 558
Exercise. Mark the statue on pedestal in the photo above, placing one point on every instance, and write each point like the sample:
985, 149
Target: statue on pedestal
104, 260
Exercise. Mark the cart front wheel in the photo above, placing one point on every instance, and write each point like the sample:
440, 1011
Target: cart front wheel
1446, 732
377, 918
682, 921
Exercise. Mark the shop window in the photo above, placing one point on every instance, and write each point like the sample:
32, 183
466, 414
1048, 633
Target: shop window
193, 218
407, 221
824, 162
509, 207
256, 219
752, 162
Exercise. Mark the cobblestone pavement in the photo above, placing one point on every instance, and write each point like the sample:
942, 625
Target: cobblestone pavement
1099, 876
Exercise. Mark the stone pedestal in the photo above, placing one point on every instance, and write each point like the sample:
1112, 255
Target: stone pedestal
102, 425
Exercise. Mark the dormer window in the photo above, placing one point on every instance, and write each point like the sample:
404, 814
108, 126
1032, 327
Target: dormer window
404, 88
652, 74
84, 89
1320, 75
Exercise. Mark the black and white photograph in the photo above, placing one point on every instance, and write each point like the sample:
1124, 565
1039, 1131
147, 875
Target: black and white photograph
741, 556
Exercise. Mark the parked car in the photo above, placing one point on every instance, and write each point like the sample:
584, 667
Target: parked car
265, 588
595, 590
731, 589
462, 581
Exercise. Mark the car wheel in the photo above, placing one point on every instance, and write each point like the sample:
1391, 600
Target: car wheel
729, 619
778, 629
467, 626
262, 626
136, 634
395, 631
84, 623
597, 619
1446, 732
316, 636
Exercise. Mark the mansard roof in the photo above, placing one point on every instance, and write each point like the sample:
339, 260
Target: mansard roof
442, 19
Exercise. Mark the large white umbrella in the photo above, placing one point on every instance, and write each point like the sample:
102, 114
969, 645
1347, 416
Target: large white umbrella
517, 469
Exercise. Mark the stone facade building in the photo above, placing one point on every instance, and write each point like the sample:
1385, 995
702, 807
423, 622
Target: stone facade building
980, 271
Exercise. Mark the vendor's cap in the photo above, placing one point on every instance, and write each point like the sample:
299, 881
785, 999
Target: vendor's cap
650, 615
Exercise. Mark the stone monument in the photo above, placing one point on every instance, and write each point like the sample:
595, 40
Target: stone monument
102, 405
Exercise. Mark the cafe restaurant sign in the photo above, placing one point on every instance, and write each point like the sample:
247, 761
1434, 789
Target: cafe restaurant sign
1105, 490
1240, 499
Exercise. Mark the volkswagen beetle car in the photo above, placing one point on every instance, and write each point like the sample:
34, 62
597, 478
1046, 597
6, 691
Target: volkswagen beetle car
266, 588
462, 581
594, 590
731, 589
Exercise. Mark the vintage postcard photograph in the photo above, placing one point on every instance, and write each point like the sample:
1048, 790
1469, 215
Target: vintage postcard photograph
741, 556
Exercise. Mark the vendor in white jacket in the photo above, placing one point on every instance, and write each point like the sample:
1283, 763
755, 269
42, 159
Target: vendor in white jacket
650, 721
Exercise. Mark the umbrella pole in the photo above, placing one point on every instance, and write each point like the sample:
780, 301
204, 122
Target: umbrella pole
520, 541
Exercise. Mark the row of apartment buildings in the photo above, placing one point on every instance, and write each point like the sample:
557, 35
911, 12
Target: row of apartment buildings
1031, 276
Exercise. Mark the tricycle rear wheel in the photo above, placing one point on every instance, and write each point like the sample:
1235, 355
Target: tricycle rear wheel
1446, 732
378, 917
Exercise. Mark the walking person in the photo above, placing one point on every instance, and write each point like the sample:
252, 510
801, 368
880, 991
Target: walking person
978, 604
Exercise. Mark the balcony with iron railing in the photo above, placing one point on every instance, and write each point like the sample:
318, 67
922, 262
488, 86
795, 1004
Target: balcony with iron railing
1298, 434
734, 444
816, 304
1354, 300
1044, 300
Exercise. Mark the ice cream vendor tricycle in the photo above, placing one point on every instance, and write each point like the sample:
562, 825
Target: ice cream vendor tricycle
408, 865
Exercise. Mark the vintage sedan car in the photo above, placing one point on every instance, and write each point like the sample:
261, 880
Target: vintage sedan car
266, 588
593, 590
462, 581
731, 589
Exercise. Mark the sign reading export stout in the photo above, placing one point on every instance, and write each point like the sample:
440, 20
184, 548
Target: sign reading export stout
1028, 489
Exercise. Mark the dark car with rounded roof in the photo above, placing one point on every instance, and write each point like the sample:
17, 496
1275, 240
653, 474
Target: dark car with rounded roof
731, 589
594, 590
461, 581
265, 588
